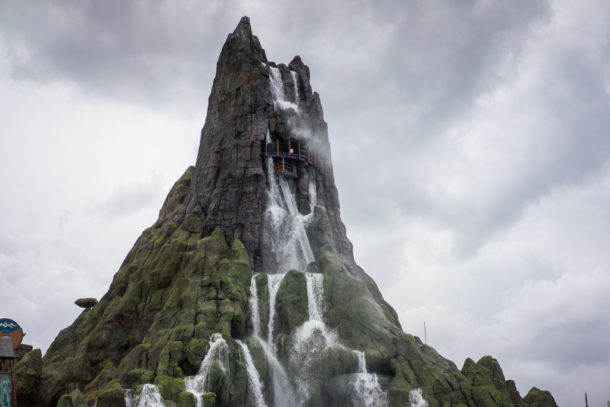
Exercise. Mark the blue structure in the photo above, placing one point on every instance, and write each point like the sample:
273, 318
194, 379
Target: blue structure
6, 394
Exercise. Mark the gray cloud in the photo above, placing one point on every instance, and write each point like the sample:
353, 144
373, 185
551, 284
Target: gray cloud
129, 199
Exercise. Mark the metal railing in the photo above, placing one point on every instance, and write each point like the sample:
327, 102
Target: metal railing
286, 168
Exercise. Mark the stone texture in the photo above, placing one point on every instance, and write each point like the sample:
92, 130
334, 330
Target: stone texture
172, 291
86, 302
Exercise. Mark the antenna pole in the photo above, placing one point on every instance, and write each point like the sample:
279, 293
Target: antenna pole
425, 334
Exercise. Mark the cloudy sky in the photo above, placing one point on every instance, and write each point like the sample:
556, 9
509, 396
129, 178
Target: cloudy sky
470, 141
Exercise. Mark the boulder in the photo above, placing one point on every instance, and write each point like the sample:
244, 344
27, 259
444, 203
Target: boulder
86, 302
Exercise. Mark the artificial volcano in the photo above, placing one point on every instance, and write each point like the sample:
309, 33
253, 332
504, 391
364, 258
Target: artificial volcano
245, 291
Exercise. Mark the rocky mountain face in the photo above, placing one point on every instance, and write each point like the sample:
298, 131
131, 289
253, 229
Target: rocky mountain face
245, 291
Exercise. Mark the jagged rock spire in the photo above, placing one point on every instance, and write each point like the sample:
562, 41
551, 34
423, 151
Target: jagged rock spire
229, 181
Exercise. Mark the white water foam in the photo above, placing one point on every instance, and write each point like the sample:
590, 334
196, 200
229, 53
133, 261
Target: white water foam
313, 193
149, 397
298, 225
282, 392
295, 80
273, 285
285, 227
315, 295
255, 386
254, 312
277, 89
368, 392
417, 399
218, 352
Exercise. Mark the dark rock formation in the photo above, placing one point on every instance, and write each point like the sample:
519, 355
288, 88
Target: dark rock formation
229, 182
189, 276
86, 302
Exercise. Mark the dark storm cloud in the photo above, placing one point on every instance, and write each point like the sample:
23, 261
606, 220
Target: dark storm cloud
149, 52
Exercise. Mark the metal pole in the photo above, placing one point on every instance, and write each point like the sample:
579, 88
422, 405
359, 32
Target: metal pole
288, 148
277, 144
425, 334
299, 149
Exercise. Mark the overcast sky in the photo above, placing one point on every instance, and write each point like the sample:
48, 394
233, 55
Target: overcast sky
470, 142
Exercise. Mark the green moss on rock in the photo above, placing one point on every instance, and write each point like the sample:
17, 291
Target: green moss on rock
170, 387
292, 307
209, 399
186, 399
111, 395
28, 372
539, 398
73, 399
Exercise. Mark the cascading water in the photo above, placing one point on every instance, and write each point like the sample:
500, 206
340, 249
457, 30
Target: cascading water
290, 247
273, 284
417, 399
218, 352
149, 397
254, 381
315, 295
295, 81
284, 229
368, 393
253, 303
277, 89
298, 225
282, 394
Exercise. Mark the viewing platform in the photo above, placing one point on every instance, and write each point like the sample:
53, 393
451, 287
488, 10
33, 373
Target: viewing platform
275, 150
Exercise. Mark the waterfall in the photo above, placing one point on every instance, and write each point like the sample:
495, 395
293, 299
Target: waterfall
298, 225
313, 193
277, 89
149, 397
315, 295
273, 285
282, 392
218, 352
284, 230
295, 80
286, 247
277, 84
254, 312
368, 393
254, 381
417, 399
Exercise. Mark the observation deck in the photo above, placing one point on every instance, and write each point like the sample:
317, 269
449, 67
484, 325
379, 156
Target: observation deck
275, 150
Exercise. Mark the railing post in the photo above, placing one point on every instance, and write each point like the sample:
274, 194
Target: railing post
299, 150
288, 148
277, 144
